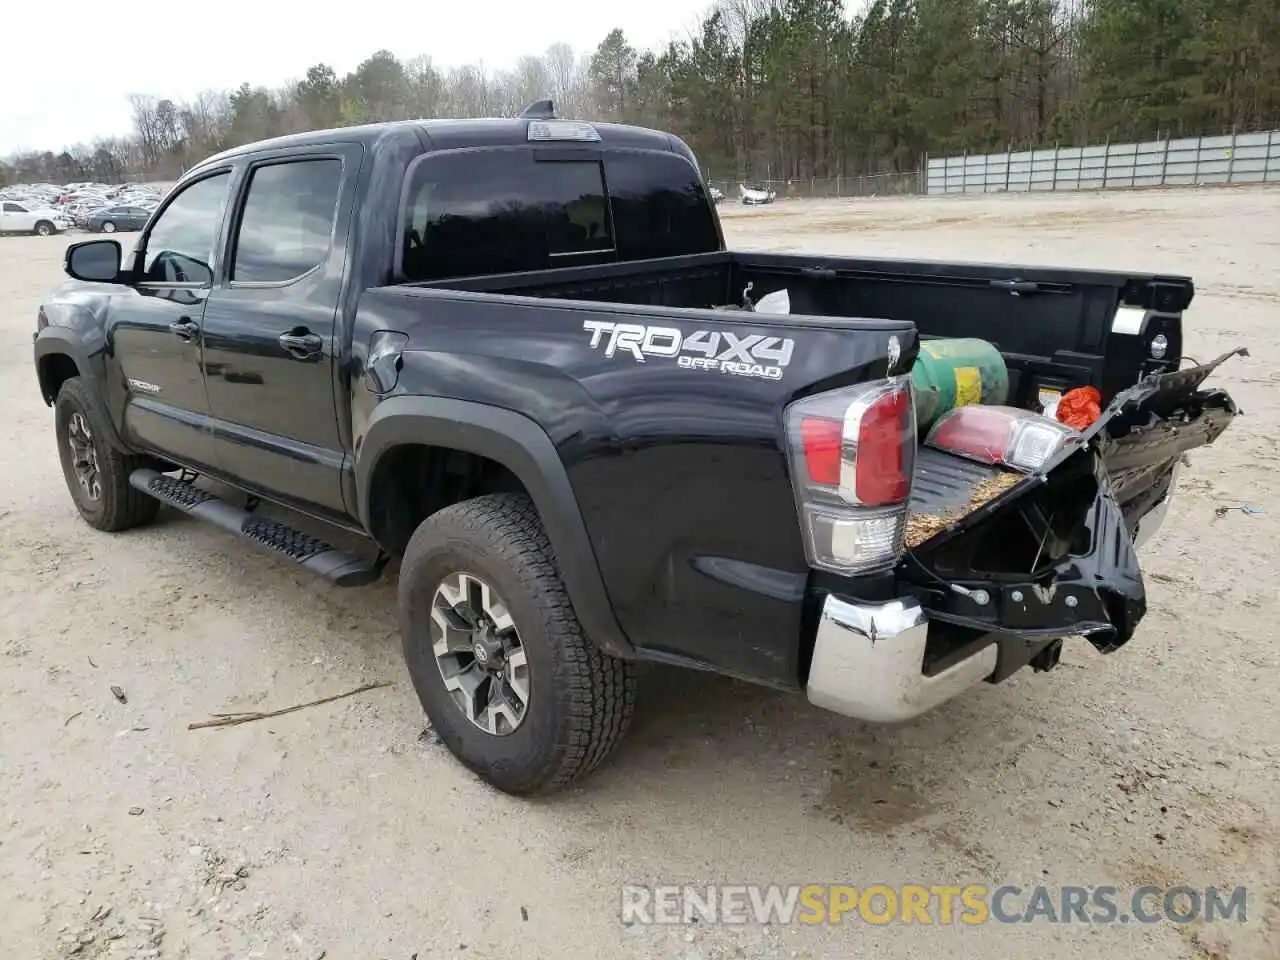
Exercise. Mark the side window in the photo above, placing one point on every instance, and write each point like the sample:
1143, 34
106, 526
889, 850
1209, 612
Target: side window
501, 211
180, 244
13, 208
660, 208
288, 218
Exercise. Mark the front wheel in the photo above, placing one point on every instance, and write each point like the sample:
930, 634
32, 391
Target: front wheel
97, 474
45, 229
108, 227
497, 655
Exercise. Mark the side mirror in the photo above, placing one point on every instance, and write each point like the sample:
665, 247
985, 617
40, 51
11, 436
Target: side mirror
94, 260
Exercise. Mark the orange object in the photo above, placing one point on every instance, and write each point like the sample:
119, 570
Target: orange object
1079, 408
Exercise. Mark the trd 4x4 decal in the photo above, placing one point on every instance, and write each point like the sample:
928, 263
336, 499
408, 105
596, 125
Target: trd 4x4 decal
746, 355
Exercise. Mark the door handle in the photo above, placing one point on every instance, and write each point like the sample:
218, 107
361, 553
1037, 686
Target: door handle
184, 328
301, 344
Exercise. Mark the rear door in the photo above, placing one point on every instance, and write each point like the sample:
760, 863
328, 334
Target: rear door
270, 327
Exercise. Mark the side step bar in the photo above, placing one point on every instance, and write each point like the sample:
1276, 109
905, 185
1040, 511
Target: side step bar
344, 569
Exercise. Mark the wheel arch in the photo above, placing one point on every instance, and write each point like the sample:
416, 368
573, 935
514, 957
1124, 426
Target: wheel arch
508, 451
58, 358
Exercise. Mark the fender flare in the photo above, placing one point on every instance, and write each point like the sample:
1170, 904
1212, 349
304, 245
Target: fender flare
54, 341
523, 447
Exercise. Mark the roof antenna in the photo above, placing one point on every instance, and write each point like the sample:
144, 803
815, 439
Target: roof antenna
539, 110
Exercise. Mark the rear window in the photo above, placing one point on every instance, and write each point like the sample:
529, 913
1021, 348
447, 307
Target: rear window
659, 206
503, 211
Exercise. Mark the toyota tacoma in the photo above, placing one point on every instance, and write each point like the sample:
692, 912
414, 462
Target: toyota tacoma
516, 356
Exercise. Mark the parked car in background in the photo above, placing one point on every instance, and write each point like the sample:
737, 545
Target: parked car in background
32, 217
81, 210
77, 202
111, 219
755, 195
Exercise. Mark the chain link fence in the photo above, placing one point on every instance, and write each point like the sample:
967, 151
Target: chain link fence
821, 188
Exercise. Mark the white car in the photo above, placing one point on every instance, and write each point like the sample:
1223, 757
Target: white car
751, 195
27, 216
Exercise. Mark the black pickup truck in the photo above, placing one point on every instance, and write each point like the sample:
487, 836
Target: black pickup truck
515, 355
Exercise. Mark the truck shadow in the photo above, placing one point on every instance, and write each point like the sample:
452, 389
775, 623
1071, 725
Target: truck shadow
698, 737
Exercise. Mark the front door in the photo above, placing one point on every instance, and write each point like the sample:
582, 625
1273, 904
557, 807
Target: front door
271, 343
153, 325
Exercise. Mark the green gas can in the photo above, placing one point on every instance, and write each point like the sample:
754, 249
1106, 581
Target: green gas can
950, 373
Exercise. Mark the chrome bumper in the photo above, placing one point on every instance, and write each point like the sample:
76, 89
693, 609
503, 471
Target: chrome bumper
868, 659
868, 663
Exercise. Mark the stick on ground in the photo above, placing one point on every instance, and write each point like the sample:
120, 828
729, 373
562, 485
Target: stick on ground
230, 719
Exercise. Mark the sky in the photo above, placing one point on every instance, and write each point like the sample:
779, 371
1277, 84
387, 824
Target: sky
67, 75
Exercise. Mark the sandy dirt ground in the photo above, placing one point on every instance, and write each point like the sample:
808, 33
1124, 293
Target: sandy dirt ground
340, 832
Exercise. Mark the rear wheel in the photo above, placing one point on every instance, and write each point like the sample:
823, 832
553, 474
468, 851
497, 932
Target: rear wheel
45, 229
108, 227
497, 655
97, 474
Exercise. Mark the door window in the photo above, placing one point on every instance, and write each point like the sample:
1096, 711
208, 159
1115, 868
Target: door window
287, 225
13, 208
179, 247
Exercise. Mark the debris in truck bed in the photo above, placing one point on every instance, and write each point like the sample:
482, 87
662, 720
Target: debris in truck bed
925, 526
922, 527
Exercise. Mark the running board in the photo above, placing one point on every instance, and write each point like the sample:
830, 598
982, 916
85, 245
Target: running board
344, 569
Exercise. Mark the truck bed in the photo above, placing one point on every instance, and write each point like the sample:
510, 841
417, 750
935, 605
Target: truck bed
1053, 326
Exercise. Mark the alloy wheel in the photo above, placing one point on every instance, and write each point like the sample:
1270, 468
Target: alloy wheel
479, 653
84, 456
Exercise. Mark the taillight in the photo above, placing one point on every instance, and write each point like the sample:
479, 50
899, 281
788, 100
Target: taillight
852, 456
822, 441
1001, 435
884, 450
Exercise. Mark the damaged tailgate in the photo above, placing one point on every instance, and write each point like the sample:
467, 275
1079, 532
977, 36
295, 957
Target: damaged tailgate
1050, 552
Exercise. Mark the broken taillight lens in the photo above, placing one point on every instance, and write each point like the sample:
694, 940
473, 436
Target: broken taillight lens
853, 453
1006, 436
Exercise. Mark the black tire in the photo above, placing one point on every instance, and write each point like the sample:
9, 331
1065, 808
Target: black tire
45, 229
118, 506
108, 227
580, 700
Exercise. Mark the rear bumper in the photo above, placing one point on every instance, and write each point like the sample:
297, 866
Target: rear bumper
869, 659
868, 662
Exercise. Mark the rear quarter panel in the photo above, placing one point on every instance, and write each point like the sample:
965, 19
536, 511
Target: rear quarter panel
680, 473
